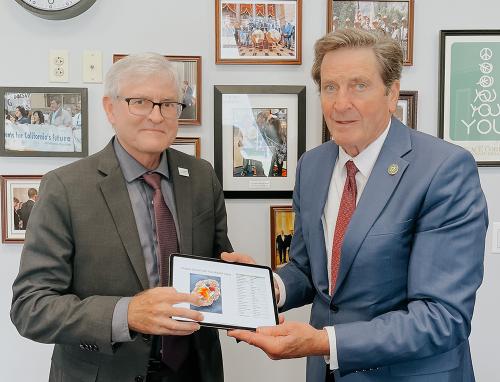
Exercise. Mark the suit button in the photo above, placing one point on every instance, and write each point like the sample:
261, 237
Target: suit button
334, 308
139, 378
146, 338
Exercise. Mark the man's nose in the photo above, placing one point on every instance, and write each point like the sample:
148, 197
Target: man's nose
342, 101
156, 115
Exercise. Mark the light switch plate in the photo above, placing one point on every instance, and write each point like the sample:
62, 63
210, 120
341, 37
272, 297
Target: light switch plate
92, 66
58, 66
495, 238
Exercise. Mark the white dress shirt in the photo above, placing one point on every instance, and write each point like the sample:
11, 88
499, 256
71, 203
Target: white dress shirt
364, 161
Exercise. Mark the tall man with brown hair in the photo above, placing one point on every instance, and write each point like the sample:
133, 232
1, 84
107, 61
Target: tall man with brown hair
389, 234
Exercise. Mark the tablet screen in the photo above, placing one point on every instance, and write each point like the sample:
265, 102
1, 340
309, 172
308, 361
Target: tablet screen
233, 295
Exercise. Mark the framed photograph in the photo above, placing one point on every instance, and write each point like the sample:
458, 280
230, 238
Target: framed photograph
406, 112
388, 17
44, 122
188, 145
282, 218
258, 32
19, 194
260, 133
189, 74
469, 77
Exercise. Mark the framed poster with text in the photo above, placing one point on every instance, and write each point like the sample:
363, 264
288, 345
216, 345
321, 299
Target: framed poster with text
469, 107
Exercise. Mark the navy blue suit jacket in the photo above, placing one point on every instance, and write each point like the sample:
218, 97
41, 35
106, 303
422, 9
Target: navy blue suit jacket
412, 260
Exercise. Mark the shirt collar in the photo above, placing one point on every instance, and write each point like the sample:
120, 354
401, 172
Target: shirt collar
366, 159
132, 169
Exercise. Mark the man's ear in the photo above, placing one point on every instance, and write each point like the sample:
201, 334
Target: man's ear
394, 96
108, 105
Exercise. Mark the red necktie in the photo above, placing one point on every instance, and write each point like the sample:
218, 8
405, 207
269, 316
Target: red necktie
346, 209
174, 348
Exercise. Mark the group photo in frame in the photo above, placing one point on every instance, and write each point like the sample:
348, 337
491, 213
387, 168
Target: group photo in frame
44, 122
189, 74
187, 145
406, 112
469, 79
282, 220
19, 195
259, 135
258, 32
386, 17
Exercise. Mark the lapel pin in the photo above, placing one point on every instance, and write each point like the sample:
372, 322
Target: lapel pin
392, 169
183, 171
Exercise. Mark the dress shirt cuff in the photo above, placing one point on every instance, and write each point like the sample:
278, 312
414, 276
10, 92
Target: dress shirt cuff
119, 326
332, 360
281, 287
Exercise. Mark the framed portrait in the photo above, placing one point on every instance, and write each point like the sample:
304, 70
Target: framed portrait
282, 218
258, 32
259, 137
19, 194
406, 112
469, 77
388, 17
187, 145
44, 122
189, 73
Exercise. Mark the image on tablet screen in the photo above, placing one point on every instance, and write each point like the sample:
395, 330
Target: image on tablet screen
209, 289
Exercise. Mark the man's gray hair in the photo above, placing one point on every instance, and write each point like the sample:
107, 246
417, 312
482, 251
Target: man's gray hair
139, 65
388, 52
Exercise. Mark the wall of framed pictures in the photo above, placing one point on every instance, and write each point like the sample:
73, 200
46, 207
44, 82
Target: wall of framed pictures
188, 29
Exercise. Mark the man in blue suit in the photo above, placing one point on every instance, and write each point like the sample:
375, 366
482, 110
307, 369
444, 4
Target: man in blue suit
389, 235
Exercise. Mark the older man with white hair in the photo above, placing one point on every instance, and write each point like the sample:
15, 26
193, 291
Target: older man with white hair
94, 266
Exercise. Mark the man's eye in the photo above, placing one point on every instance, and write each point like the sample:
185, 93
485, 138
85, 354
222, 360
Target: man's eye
329, 88
137, 101
360, 86
168, 105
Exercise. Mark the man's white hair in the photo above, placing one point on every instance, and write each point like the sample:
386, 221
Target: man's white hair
141, 65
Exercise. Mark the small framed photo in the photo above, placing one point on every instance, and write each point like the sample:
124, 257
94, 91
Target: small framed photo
282, 219
259, 137
258, 32
44, 122
189, 74
468, 87
406, 112
388, 17
187, 145
19, 195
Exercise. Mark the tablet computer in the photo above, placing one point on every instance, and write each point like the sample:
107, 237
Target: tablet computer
233, 295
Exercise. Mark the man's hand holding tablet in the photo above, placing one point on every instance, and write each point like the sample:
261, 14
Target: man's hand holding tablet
232, 295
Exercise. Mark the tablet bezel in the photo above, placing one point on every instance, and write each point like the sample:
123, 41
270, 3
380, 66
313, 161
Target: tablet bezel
199, 258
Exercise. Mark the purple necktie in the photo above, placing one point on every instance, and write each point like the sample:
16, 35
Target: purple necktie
174, 348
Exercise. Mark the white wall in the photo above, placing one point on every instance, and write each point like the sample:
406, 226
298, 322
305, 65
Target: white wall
185, 27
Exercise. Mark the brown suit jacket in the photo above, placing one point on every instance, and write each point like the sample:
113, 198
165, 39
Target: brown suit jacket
82, 254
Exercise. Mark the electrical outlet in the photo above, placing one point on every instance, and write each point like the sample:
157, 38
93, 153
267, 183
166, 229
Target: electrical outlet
92, 66
58, 66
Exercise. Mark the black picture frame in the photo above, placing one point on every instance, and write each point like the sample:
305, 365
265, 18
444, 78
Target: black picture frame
284, 102
22, 139
468, 82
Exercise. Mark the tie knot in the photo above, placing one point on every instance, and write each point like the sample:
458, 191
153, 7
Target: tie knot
351, 169
153, 180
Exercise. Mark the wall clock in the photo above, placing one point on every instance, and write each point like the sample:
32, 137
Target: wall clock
56, 9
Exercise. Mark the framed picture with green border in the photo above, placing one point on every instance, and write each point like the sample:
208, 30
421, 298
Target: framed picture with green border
469, 84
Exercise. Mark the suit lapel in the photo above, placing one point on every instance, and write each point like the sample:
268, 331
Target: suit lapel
116, 195
183, 200
321, 192
376, 194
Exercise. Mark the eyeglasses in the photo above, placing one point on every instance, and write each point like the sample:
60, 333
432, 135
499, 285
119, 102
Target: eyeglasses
144, 106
